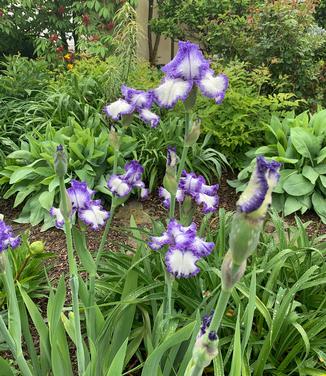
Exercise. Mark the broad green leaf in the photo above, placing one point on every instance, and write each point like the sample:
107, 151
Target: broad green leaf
21, 174
291, 205
297, 185
305, 143
309, 173
46, 199
319, 204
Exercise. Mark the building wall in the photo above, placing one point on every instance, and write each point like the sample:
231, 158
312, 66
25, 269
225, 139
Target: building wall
164, 50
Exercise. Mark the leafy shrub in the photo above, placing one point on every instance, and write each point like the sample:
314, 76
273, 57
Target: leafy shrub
241, 121
249, 31
300, 144
30, 175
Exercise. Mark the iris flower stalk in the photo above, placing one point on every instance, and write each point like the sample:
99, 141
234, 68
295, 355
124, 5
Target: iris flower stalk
60, 165
246, 227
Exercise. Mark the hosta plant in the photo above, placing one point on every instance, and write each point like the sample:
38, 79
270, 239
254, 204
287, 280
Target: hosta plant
299, 143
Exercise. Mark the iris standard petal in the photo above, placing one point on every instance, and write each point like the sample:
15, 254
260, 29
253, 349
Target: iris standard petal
79, 194
56, 213
119, 186
188, 64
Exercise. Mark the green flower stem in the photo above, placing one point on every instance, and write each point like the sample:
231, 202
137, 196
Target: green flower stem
196, 370
73, 277
182, 162
99, 253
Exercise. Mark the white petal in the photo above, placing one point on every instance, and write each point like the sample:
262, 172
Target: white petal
118, 186
181, 263
171, 90
118, 108
94, 216
213, 86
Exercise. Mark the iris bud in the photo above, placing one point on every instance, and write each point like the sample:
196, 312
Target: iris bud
194, 133
60, 162
114, 138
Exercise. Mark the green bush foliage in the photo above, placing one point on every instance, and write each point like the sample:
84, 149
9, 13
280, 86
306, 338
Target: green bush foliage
299, 142
280, 35
241, 121
29, 173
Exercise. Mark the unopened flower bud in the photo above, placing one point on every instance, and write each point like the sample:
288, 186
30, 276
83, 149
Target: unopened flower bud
194, 133
36, 247
187, 210
190, 102
114, 138
60, 162
170, 183
230, 272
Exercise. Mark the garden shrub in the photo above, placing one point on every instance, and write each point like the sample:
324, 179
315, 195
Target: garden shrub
241, 122
299, 143
249, 32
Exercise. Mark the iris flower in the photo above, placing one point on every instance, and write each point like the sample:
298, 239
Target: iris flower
134, 101
194, 186
7, 238
121, 185
89, 211
257, 196
189, 69
185, 248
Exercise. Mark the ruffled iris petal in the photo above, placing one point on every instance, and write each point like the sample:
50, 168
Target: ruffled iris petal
201, 248
191, 183
171, 90
118, 108
258, 193
7, 237
144, 193
181, 263
214, 86
56, 213
188, 64
181, 236
210, 203
79, 194
137, 98
157, 242
119, 186
149, 117
94, 215
166, 196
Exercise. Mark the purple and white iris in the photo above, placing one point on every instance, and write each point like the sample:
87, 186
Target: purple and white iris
134, 100
185, 249
189, 69
194, 186
257, 196
121, 185
89, 211
7, 238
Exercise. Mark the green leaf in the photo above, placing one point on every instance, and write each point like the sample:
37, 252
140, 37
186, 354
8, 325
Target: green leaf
305, 143
152, 363
46, 199
21, 174
5, 369
291, 205
319, 204
236, 356
297, 185
116, 367
309, 173
83, 252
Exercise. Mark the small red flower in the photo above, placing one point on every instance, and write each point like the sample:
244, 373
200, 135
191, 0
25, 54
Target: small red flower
61, 9
86, 19
54, 37
109, 26
59, 49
